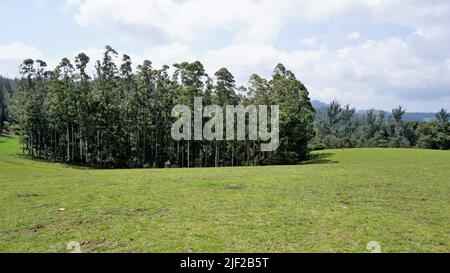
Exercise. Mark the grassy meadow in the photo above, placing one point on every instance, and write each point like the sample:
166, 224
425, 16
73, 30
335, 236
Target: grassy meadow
336, 203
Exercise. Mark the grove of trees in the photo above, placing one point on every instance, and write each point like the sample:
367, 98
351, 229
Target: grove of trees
121, 117
6, 94
341, 127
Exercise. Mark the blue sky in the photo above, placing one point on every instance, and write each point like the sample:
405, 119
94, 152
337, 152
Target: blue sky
369, 53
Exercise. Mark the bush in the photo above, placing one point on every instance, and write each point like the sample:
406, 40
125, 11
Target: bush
167, 164
13, 128
426, 142
399, 142
316, 147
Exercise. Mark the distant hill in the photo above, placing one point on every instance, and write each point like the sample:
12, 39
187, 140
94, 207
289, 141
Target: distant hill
419, 116
413, 116
318, 105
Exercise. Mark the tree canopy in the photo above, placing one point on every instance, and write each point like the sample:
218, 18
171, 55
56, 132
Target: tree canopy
122, 117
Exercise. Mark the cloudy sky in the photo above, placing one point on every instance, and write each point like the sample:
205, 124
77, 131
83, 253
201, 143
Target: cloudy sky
369, 53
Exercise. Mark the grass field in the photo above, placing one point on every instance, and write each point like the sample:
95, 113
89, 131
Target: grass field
338, 203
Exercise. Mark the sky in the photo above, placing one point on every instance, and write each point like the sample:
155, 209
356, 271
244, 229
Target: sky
368, 53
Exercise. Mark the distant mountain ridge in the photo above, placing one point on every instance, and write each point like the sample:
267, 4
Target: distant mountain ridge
410, 116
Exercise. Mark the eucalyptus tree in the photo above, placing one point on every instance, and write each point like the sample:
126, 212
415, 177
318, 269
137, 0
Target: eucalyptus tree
107, 97
32, 112
296, 116
225, 94
190, 80
141, 103
83, 103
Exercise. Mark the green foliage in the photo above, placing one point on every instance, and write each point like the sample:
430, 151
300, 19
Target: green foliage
3, 108
6, 97
122, 118
339, 127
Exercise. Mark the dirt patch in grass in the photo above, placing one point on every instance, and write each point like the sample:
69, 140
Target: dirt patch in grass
36, 228
235, 187
140, 210
160, 211
27, 195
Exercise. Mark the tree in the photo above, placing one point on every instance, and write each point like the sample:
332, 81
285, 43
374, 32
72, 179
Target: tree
443, 129
258, 89
334, 115
2, 107
372, 130
225, 94
398, 113
296, 117
84, 99
442, 118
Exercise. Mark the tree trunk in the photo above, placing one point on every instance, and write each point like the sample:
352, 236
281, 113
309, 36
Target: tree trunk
86, 147
81, 143
216, 164
73, 144
54, 148
68, 142
188, 154
178, 153
232, 155
182, 158
156, 152
98, 145
31, 144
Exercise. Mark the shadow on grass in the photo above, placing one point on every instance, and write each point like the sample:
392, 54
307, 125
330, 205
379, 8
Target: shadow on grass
40, 160
322, 158
4, 138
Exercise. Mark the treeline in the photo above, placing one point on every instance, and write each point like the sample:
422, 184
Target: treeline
340, 126
6, 96
122, 118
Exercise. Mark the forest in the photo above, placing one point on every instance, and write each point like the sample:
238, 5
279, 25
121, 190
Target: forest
6, 95
339, 126
120, 117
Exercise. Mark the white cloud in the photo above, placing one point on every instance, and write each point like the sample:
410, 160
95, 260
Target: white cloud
252, 20
406, 62
13, 54
354, 36
168, 54
187, 20
311, 41
369, 74
256, 21
72, 3
248, 20
18, 51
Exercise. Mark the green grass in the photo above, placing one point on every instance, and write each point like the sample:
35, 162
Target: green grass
338, 203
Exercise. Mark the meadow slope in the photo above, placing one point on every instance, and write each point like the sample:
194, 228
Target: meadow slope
337, 203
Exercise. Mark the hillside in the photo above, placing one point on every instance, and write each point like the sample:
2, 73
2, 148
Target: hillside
338, 202
411, 116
